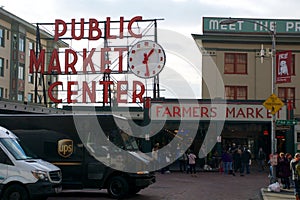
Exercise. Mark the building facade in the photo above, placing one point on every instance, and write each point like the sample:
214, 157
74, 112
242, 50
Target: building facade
17, 38
237, 65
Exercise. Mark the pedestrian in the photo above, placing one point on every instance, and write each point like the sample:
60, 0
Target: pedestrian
237, 161
261, 159
227, 162
183, 162
246, 159
282, 170
192, 163
295, 163
154, 154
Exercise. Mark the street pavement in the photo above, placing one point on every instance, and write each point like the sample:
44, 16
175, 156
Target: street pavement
206, 186
283, 194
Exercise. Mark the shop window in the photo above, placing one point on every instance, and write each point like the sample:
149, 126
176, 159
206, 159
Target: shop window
235, 63
287, 93
236, 92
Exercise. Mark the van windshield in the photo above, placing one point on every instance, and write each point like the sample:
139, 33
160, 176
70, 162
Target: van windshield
14, 147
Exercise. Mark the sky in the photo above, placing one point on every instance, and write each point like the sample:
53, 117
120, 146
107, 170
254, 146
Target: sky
181, 16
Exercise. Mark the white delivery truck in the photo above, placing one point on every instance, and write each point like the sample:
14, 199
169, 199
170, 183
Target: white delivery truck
23, 177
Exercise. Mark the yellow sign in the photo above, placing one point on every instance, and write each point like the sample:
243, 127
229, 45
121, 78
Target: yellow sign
273, 103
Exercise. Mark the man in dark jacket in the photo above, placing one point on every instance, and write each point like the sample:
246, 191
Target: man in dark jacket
246, 157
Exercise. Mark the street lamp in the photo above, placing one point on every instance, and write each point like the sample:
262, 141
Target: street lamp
273, 36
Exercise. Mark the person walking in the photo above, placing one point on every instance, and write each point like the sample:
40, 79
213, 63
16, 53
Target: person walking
295, 176
237, 161
192, 163
261, 159
282, 170
246, 157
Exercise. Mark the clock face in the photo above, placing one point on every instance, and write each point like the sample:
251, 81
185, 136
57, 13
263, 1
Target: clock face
146, 59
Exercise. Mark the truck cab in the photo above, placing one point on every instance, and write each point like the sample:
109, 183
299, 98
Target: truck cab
22, 176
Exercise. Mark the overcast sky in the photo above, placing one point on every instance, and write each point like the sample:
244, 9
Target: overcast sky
183, 16
178, 14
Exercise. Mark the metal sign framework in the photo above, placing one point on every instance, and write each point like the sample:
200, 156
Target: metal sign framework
146, 27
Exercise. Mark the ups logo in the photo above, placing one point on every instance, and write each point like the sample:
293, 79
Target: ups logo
65, 147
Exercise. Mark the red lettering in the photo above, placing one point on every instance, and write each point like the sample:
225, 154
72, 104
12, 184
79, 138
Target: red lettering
139, 95
257, 113
196, 112
167, 112
230, 112
88, 60
50, 89
121, 27
121, 50
70, 92
187, 111
58, 33
107, 32
94, 27
137, 18
213, 112
121, 92
73, 28
104, 62
240, 112
158, 110
106, 85
176, 111
54, 64
250, 112
86, 90
204, 112
71, 65
40, 62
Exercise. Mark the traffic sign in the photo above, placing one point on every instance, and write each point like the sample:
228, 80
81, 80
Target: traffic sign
286, 122
273, 103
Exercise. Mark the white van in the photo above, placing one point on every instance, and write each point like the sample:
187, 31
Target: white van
21, 176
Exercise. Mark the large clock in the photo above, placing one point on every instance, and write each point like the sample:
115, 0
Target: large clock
146, 59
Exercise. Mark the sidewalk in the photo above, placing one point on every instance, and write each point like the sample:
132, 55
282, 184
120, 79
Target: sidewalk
284, 194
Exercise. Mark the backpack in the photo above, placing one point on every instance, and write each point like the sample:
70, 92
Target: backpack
297, 169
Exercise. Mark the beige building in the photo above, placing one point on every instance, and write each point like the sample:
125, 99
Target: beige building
232, 63
17, 38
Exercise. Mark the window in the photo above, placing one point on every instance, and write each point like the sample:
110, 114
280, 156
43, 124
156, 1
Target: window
21, 72
235, 63
20, 96
287, 93
1, 67
1, 92
2, 37
30, 77
236, 92
22, 44
30, 97
30, 46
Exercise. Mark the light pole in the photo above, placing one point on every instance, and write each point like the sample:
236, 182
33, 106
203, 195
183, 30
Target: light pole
273, 56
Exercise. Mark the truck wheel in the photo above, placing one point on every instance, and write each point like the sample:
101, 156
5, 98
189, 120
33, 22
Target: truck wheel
118, 187
15, 192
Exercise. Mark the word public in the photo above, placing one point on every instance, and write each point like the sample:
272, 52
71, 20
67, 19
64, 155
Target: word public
37, 63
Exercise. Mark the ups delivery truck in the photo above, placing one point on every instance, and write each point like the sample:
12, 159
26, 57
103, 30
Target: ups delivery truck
88, 158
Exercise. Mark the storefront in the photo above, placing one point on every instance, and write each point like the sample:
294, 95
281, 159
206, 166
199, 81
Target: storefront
215, 125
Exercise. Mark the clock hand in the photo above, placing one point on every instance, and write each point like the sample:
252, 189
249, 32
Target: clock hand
145, 61
149, 54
